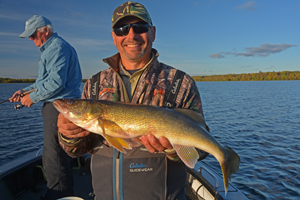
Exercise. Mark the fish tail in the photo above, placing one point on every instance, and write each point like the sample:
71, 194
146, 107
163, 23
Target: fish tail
229, 166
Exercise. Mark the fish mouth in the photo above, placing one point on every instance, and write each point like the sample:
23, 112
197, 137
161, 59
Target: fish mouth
58, 104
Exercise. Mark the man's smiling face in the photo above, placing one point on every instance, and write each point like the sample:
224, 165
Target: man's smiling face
134, 46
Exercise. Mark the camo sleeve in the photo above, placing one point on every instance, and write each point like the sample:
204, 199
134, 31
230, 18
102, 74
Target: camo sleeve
189, 95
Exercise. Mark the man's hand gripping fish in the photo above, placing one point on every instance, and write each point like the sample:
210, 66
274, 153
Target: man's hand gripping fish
117, 121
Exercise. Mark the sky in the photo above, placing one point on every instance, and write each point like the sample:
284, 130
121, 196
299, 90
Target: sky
200, 37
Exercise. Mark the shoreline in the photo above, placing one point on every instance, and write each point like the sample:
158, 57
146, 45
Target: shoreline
261, 76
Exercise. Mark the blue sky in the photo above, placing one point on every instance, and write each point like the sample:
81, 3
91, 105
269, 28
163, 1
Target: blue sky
200, 37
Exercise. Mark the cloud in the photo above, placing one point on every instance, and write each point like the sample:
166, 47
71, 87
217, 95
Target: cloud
91, 42
16, 46
250, 6
13, 16
8, 34
217, 55
245, 66
220, 55
263, 50
77, 14
271, 67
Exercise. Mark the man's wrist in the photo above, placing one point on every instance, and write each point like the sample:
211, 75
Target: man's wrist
69, 141
172, 155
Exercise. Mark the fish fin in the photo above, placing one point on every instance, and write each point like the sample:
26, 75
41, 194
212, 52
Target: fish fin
133, 143
229, 166
187, 154
192, 115
118, 143
113, 129
124, 143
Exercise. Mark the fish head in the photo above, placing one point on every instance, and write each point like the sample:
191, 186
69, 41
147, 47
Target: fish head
79, 111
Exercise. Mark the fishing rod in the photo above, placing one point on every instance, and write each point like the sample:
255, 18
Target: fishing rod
19, 106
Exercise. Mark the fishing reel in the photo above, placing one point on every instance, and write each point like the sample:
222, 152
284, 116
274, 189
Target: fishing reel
18, 106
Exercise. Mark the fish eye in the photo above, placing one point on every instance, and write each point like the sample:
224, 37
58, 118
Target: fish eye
70, 102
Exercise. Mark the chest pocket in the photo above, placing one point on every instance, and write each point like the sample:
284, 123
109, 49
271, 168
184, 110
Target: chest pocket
146, 171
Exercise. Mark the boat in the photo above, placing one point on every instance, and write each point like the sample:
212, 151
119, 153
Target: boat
204, 183
23, 179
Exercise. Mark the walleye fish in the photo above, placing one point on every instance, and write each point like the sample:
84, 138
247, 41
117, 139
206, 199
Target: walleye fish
118, 121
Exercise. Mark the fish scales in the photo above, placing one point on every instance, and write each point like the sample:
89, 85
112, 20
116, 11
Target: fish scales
143, 120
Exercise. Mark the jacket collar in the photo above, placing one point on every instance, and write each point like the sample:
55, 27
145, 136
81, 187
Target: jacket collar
48, 42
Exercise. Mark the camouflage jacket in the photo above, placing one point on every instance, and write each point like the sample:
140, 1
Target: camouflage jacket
154, 83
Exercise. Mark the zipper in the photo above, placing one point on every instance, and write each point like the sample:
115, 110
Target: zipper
143, 93
126, 98
117, 175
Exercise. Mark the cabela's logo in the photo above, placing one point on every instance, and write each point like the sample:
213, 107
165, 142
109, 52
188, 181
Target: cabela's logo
174, 87
139, 168
94, 88
132, 165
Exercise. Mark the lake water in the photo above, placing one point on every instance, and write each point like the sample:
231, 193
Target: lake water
260, 120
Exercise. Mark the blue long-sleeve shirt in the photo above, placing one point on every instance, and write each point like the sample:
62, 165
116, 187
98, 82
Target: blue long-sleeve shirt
59, 73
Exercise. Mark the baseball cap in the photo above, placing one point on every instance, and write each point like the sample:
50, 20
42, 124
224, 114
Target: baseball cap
37, 21
130, 8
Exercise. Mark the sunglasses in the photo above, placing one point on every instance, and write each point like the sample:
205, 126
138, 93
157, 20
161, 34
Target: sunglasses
33, 35
137, 28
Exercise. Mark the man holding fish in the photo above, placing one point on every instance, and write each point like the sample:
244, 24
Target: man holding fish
149, 168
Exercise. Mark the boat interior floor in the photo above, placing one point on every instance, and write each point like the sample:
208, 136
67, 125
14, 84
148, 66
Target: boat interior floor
82, 181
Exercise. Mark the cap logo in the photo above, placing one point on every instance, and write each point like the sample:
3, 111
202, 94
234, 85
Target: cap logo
125, 10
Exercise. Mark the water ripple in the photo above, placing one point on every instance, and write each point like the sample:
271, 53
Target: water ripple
259, 120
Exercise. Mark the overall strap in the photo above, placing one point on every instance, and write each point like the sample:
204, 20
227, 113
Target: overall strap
95, 86
170, 99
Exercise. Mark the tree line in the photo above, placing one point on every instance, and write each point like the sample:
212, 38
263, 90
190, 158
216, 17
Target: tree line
261, 76
11, 80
